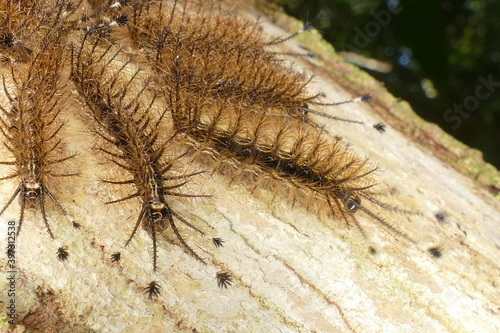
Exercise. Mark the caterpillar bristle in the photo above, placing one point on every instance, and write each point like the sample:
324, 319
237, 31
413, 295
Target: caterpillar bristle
115, 257
30, 121
153, 290
218, 242
307, 26
224, 280
127, 119
436, 251
441, 217
380, 127
62, 253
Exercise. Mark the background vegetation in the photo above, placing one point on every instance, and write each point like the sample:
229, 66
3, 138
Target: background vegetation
434, 54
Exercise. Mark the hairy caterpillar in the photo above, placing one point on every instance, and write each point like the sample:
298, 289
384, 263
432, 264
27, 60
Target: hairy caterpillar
31, 127
283, 148
230, 93
24, 23
17, 26
224, 58
128, 122
236, 99
289, 272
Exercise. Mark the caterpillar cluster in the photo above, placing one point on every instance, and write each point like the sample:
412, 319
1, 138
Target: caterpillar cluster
157, 74
240, 103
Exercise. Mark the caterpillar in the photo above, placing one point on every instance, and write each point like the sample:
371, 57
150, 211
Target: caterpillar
226, 90
128, 122
285, 267
235, 99
31, 126
283, 148
224, 58
24, 23
16, 29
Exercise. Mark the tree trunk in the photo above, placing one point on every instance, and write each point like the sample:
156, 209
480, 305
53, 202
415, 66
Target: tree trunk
293, 270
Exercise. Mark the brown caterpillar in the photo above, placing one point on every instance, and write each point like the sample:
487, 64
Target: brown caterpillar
24, 23
31, 127
284, 148
234, 98
128, 122
227, 90
223, 58
16, 29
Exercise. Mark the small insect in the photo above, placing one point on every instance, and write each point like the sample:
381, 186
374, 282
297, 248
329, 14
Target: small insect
128, 121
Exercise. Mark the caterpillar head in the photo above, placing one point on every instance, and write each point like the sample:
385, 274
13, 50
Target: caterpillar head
156, 213
31, 190
351, 203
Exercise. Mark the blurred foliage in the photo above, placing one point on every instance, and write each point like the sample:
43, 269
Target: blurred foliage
441, 52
